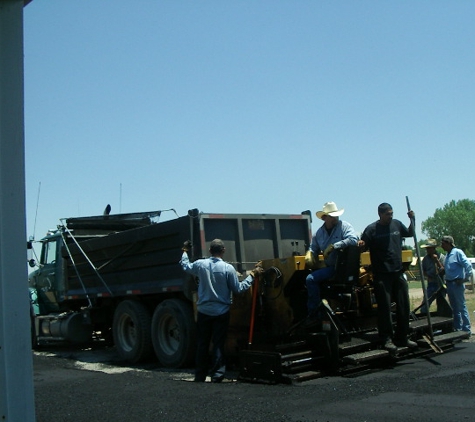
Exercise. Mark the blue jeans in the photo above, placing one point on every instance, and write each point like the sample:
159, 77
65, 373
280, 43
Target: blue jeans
313, 281
456, 293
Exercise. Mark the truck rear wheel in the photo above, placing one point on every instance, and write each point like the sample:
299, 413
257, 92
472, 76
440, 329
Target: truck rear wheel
174, 333
131, 331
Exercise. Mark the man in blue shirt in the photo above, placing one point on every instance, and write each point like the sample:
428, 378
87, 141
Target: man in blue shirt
331, 237
458, 270
217, 281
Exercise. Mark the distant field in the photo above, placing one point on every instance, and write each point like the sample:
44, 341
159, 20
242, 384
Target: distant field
415, 286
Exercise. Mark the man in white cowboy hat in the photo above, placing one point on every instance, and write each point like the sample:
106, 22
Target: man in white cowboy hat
433, 268
332, 236
458, 271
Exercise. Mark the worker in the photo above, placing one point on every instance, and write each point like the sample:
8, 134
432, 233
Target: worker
433, 269
217, 281
458, 271
332, 236
384, 239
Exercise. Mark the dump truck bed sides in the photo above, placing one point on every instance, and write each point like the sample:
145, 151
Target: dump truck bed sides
143, 257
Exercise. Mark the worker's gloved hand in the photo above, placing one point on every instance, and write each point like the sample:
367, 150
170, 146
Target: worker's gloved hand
328, 251
186, 246
257, 271
310, 262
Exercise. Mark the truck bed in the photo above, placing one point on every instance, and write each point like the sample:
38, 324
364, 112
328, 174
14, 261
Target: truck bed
144, 258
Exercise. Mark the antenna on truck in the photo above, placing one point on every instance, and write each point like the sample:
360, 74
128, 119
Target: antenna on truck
120, 198
36, 212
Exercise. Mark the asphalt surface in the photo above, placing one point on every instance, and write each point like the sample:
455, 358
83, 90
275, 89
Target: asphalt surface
91, 385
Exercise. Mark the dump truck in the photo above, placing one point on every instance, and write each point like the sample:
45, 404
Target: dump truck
117, 278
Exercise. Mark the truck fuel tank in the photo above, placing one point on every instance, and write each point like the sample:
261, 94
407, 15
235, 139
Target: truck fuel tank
72, 327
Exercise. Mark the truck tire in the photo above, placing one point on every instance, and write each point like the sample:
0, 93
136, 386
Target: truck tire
131, 331
174, 333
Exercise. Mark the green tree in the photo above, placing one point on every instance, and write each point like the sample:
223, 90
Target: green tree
457, 219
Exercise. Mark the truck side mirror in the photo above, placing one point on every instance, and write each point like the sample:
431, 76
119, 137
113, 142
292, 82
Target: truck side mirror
29, 254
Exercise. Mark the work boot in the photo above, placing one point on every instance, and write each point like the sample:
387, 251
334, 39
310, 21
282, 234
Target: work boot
390, 346
408, 343
412, 344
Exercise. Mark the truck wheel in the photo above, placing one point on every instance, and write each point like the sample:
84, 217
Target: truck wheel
174, 333
131, 331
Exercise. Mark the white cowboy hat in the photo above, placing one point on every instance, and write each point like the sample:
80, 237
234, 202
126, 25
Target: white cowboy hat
330, 209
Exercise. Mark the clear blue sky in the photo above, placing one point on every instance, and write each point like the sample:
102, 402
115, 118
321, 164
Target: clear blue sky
247, 107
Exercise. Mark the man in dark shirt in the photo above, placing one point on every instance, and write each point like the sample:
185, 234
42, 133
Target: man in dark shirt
383, 238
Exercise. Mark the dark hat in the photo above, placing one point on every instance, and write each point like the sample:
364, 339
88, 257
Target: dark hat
448, 239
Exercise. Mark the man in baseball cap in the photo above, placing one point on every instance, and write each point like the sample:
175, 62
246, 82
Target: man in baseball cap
458, 271
448, 239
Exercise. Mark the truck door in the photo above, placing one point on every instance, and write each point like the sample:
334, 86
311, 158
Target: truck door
46, 277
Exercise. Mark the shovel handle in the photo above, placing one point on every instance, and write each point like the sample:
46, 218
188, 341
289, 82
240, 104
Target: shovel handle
421, 271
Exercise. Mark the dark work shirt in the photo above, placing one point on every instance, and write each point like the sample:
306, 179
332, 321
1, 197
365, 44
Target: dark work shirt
385, 245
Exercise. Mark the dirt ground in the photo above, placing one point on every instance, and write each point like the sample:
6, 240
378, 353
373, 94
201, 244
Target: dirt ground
416, 295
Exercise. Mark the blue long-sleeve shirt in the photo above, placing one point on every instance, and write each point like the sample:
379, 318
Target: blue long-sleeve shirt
341, 236
456, 265
217, 281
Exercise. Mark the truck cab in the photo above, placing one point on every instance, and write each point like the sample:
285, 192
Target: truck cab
45, 282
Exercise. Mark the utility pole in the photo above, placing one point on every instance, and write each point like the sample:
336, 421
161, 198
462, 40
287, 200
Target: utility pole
16, 364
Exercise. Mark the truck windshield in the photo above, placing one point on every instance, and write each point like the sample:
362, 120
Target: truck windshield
49, 253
